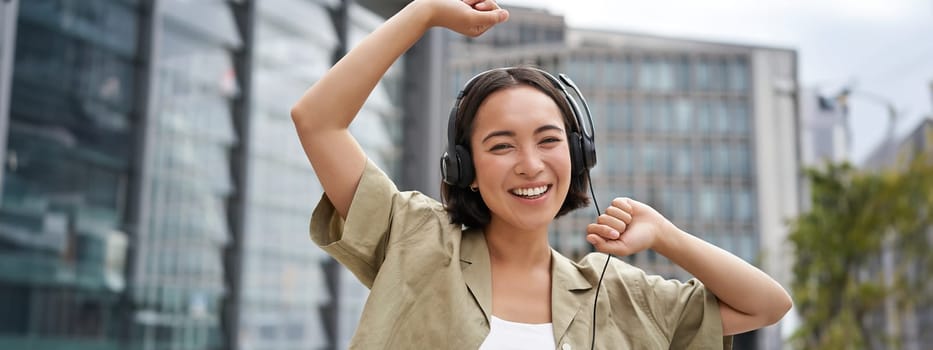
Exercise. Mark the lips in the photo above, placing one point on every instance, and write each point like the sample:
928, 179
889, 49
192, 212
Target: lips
531, 192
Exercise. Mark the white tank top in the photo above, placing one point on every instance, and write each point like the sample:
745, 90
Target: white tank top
506, 335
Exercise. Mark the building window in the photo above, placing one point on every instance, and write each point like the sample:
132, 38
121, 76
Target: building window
702, 75
683, 115
708, 205
705, 116
722, 160
744, 205
682, 73
686, 203
646, 115
649, 157
666, 117
738, 75
646, 74
619, 73
742, 161
707, 159
721, 116
739, 116
583, 71
657, 115
668, 207
666, 75
619, 115
725, 207
657, 74
627, 153
720, 75
683, 161
746, 247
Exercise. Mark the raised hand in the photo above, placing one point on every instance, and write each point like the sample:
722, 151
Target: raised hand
323, 114
468, 17
627, 227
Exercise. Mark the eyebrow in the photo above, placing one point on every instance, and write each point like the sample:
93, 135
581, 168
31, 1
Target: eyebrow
509, 133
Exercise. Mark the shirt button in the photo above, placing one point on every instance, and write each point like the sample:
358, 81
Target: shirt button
565, 347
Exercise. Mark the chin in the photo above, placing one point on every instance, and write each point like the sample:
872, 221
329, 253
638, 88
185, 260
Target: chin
536, 223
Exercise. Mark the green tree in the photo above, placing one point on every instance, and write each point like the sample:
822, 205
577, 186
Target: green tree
839, 287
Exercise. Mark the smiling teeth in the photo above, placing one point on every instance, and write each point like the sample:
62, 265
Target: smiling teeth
530, 192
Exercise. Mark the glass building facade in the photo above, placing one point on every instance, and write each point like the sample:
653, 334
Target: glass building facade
179, 286
67, 170
284, 287
153, 193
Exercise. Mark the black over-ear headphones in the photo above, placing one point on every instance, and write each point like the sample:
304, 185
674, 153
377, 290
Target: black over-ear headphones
457, 164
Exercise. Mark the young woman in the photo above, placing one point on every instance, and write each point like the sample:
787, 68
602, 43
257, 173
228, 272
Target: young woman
478, 271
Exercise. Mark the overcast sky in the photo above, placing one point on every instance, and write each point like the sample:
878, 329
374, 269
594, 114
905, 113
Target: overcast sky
884, 47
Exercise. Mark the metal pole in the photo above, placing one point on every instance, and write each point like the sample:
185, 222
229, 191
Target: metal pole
8, 12
890, 146
931, 99
139, 199
238, 211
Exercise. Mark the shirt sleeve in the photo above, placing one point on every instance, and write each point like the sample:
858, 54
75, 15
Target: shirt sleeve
378, 214
687, 312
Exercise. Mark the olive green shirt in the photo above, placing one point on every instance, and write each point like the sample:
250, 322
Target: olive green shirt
430, 284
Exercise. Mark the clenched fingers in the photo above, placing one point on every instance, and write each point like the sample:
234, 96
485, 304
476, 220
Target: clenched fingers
623, 203
613, 222
482, 5
621, 214
604, 231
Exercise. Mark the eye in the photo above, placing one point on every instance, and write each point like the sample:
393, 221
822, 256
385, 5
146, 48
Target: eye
550, 140
500, 146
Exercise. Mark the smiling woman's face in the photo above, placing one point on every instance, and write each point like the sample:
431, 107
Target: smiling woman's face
521, 156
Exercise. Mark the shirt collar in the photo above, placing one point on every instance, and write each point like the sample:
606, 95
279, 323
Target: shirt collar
571, 284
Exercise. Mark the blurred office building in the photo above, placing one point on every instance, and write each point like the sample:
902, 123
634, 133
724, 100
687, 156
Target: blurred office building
706, 132
154, 194
903, 320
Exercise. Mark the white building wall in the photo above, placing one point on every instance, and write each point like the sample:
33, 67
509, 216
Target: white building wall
777, 167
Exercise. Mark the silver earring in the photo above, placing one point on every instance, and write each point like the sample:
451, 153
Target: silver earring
474, 188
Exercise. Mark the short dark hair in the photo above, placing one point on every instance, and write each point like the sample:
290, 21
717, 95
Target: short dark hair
467, 207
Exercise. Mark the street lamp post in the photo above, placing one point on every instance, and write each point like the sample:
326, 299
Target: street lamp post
931, 98
843, 99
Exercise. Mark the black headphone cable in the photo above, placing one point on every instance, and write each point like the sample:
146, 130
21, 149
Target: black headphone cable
600, 282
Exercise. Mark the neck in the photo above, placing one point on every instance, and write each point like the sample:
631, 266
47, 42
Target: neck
510, 245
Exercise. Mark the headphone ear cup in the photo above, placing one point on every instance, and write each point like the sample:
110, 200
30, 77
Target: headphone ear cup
465, 167
450, 170
577, 160
589, 153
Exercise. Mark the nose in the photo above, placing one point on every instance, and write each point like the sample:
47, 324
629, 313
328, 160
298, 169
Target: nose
529, 164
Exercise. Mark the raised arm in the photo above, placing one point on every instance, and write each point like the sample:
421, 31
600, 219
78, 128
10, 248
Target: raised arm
323, 114
748, 298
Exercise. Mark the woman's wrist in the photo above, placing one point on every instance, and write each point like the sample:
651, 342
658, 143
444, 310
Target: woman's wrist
420, 13
669, 239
